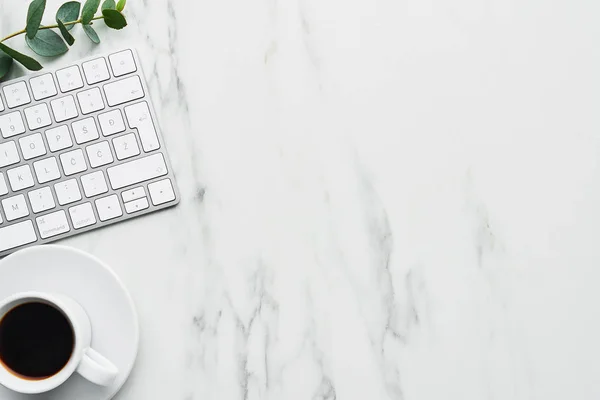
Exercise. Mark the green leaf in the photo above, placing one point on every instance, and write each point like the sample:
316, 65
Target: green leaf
47, 43
21, 58
34, 17
121, 5
6, 62
68, 12
114, 19
65, 33
108, 5
91, 33
89, 10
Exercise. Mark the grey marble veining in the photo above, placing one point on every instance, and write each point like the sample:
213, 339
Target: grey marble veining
380, 200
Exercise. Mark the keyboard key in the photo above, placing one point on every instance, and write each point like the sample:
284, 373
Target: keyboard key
64, 108
59, 138
41, 200
99, 154
85, 130
122, 63
46, 170
52, 224
32, 146
3, 187
82, 215
126, 146
161, 192
11, 124
90, 100
94, 184
133, 194
67, 192
8, 154
69, 79
43, 86
20, 178
17, 235
95, 71
15, 207
137, 171
73, 162
79, 149
38, 116
16, 94
136, 205
108, 207
111, 122
138, 116
122, 91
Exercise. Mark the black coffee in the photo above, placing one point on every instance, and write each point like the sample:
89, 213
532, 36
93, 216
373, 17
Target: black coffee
36, 340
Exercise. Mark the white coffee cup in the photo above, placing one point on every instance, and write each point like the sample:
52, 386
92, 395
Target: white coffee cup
84, 360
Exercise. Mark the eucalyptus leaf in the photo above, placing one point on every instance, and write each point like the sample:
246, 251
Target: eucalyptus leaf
108, 5
69, 12
114, 19
21, 58
34, 17
6, 62
91, 33
47, 43
89, 10
121, 5
65, 33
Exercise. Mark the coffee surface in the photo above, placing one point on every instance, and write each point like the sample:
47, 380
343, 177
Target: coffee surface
36, 340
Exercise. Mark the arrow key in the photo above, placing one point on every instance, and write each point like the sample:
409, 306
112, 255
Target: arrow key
108, 207
161, 192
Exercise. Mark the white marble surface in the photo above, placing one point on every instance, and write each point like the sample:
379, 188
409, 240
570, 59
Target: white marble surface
386, 199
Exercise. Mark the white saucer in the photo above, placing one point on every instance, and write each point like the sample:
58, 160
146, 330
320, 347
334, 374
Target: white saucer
115, 331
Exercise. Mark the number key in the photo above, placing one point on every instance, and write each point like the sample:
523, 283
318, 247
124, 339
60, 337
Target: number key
69, 78
42, 87
95, 71
11, 124
38, 116
16, 94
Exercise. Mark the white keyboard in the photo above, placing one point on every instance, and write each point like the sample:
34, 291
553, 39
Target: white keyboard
80, 148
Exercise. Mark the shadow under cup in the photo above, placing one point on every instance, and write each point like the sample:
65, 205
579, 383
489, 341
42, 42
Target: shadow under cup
37, 340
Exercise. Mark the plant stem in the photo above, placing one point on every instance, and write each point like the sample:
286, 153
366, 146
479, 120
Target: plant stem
48, 27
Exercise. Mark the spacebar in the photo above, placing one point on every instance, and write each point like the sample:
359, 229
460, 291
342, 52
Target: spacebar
137, 171
17, 235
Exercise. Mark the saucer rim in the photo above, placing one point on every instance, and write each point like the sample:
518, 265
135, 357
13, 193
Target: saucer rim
32, 250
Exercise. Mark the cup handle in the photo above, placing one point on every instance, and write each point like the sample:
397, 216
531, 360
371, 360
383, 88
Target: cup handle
96, 368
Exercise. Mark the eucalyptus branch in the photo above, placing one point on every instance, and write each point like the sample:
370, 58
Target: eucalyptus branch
46, 42
22, 31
